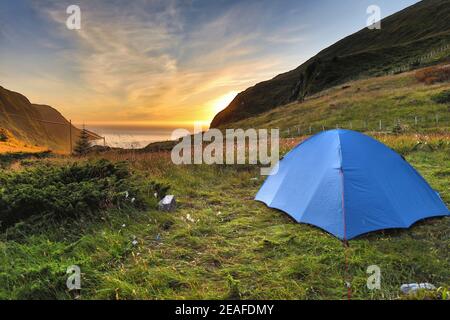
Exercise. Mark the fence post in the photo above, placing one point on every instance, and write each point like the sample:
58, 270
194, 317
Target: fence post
415, 121
380, 126
70, 137
310, 129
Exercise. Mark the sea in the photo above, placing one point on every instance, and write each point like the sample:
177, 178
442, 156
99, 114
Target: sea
132, 137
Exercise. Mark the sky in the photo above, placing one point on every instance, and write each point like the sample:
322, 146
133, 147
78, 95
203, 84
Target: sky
163, 62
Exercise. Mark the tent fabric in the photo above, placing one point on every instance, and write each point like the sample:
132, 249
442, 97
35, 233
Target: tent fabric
348, 184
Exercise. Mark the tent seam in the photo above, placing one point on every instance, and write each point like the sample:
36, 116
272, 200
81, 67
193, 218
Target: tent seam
341, 169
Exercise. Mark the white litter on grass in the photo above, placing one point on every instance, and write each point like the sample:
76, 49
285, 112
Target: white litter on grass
134, 242
168, 203
189, 218
413, 287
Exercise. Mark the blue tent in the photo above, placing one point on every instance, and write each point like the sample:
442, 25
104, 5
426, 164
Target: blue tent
348, 184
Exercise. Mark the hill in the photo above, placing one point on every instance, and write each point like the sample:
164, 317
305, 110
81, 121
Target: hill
33, 125
414, 37
374, 104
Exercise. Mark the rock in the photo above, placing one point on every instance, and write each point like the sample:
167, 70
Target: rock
168, 203
413, 287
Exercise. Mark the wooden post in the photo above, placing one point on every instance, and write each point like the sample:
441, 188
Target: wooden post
415, 120
380, 126
70, 136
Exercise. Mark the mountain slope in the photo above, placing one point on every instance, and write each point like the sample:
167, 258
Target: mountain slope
367, 105
404, 38
35, 125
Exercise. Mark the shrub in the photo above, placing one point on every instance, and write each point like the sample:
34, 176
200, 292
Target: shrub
433, 74
442, 97
399, 128
83, 144
3, 135
7, 159
67, 191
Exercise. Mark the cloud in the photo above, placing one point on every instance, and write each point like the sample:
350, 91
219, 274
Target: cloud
150, 60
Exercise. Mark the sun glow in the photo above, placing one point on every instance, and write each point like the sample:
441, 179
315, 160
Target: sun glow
223, 101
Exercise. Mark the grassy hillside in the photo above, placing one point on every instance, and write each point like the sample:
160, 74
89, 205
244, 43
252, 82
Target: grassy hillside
36, 126
362, 104
8, 144
414, 37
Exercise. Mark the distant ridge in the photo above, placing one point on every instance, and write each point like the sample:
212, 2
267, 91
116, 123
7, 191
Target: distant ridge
404, 36
34, 124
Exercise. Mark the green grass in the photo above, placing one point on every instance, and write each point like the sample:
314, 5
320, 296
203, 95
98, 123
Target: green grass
442, 97
220, 243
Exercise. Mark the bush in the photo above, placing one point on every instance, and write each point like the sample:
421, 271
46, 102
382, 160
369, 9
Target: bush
399, 128
66, 191
433, 74
7, 159
3, 135
442, 97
